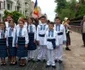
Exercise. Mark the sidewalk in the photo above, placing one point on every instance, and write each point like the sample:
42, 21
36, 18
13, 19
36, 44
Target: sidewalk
75, 59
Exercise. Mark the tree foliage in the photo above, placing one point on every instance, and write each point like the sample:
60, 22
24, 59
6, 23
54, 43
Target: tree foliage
15, 15
70, 8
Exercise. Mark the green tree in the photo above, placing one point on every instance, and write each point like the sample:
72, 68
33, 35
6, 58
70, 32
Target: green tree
15, 15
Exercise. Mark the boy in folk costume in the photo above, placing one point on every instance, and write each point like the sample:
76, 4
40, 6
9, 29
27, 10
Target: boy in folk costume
52, 42
11, 40
41, 31
62, 39
31, 28
3, 48
22, 43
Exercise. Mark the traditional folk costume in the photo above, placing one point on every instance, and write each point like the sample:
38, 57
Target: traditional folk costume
7, 24
11, 41
22, 40
32, 38
3, 48
62, 39
52, 42
41, 31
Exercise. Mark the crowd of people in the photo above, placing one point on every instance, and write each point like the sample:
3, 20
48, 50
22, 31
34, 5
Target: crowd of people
22, 39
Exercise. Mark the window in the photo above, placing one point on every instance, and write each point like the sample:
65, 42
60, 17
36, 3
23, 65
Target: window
9, 6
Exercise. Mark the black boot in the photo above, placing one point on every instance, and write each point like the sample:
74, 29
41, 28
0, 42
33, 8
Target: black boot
68, 49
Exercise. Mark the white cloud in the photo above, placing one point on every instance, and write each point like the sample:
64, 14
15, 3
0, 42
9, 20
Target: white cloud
48, 7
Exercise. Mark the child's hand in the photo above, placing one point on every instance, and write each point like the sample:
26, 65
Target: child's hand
34, 41
38, 42
16, 45
7, 47
26, 45
64, 42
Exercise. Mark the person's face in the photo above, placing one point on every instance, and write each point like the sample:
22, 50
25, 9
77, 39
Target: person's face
50, 26
21, 23
43, 20
11, 23
68, 21
8, 18
57, 21
29, 21
84, 18
2, 26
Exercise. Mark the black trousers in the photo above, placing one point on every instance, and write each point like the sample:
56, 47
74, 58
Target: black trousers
83, 38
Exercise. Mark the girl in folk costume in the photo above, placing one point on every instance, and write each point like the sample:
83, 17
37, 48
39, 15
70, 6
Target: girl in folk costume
25, 23
9, 17
41, 31
22, 43
3, 48
11, 40
62, 38
31, 28
52, 42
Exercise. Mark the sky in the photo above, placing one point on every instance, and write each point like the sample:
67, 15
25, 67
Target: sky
48, 7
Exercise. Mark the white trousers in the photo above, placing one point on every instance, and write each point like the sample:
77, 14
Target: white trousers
42, 52
31, 54
50, 56
58, 53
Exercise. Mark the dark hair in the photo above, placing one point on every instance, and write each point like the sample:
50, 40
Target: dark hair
30, 18
51, 23
48, 21
43, 17
68, 19
57, 18
11, 20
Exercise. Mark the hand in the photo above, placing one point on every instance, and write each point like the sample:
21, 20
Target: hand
34, 41
26, 45
38, 42
16, 45
64, 42
7, 47
70, 31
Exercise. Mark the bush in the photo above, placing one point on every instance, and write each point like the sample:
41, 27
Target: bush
15, 15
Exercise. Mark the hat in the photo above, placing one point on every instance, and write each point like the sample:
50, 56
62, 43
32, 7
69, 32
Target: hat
65, 19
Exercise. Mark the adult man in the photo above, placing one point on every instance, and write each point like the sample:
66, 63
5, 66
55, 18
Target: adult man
83, 30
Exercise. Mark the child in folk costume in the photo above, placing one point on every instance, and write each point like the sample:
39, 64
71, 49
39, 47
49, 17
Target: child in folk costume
31, 28
3, 48
62, 39
41, 31
25, 23
22, 43
11, 40
52, 42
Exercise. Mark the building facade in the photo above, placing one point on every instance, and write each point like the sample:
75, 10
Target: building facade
24, 7
7, 5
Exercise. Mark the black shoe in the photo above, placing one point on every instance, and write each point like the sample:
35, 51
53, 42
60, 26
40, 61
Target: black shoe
38, 60
54, 67
68, 49
44, 60
60, 61
47, 66
56, 61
